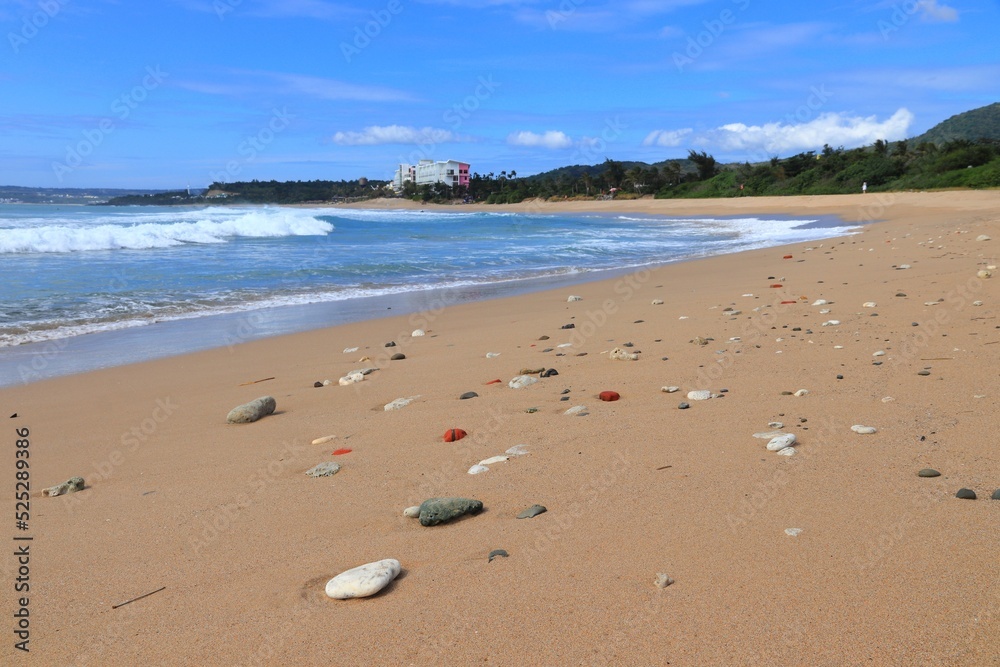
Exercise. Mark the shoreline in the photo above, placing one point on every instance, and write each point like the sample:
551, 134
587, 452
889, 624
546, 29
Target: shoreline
881, 566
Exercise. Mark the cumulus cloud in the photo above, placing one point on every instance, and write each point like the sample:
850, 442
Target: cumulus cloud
375, 135
551, 139
780, 138
930, 10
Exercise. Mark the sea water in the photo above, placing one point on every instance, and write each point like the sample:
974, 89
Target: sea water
176, 279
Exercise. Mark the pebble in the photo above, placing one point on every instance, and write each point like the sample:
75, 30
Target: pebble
577, 411
532, 512
548, 372
399, 403
571, 299
657, 302
869, 304
543, 338
662, 580
252, 411
767, 435
467, 395
324, 470
522, 381
71, 485
820, 302
454, 435
683, 406
498, 553
779, 442
983, 273
531, 411
391, 343
996, 495
775, 425
793, 532
982, 237
412, 512
787, 451
351, 378
863, 430
434, 511
831, 323
349, 350
925, 373
492, 355
568, 326
417, 333
318, 384
364, 580
928, 472
802, 392
977, 303
621, 355
880, 353
670, 390
517, 450
609, 396
478, 469
966, 494
325, 439
903, 266
399, 356
699, 395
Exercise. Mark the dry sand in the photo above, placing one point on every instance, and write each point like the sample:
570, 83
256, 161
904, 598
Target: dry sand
889, 569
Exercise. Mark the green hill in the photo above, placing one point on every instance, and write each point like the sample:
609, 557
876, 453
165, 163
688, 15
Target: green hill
974, 125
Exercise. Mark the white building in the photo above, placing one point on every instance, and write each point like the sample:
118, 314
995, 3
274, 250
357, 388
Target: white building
449, 172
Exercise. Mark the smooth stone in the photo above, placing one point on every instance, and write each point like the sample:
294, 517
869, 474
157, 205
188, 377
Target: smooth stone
454, 434
903, 266
621, 355
351, 378
657, 302
863, 430
532, 512
252, 411
399, 356
831, 323
71, 485
548, 372
494, 459
609, 396
543, 338
317, 385
802, 392
780, 442
412, 512
928, 472
683, 406
364, 580
662, 580
478, 469
467, 395
996, 495
869, 304
434, 511
568, 326
327, 383
417, 333
787, 451
522, 381
880, 353
699, 395
924, 373
820, 302
325, 439
573, 298
391, 343
984, 274
577, 411
548, 349
966, 494
982, 237
399, 403
498, 553
517, 450
324, 470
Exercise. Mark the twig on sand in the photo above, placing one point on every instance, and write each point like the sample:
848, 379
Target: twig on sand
145, 595
664, 467
939, 359
243, 384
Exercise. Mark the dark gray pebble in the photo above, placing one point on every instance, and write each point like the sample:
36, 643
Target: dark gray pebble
840, 377
564, 398
564, 392
966, 494
399, 356
498, 553
928, 472
568, 326
996, 495
391, 343
923, 372
683, 406
544, 338
317, 384
548, 349
467, 395
548, 372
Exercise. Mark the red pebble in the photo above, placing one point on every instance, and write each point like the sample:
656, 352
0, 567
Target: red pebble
610, 396
775, 285
338, 452
454, 435
787, 257
494, 382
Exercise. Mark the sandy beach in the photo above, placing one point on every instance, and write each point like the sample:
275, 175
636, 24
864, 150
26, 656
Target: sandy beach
886, 567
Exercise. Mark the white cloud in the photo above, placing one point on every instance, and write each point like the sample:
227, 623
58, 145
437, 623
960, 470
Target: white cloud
779, 138
931, 11
668, 138
551, 139
375, 135
242, 83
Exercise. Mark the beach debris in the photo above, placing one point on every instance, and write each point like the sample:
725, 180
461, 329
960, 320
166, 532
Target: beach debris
831, 323
478, 469
498, 553
467, 395
820, 302
364, 580
341, 451
670, 389
787, 257
412, 512
517, 450
532, 512
531, 411
243, 384
609, 396
144, 595
801, 392
966, 494
699, 395
349, 350
417, 333
983, 237
863, 430
699, 340
497, 381
399, 356
434, 511
252, 411
492, 355
454, 435
327, 469
779, 442
621, 355
71, 485
325, 439
928, 472
775, 425
577, 411
351, 378
400, 403
531, 371
902, 267
573, 298
869, 304
662, 580
793, 532
494, 459
522, 381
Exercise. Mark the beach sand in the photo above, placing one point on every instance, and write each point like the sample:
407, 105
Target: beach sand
889, 568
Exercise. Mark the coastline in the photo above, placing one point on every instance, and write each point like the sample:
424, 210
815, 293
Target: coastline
889, 568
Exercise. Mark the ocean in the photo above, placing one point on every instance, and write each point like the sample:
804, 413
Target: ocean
90, 287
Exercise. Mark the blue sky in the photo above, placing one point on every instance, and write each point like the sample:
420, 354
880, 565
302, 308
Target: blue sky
159, 94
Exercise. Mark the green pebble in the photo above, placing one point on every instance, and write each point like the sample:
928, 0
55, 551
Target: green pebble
966, 494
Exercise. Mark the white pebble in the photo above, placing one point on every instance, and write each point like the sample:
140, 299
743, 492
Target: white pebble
880, 353
399, 403
325, 439
670, 390
522, 381
802, 392
492, 355
577, 410
787, 451
412, 512
417, 333
888, 399
792, 532
621, 355
982, 237
820, 302
364, 580
903, 266
864, 430
824, 311
573, 298
780, 442
831, 323
869, 304
838, 347
977, 303
494, 459
517, 450
683, 317
565, 345
767, 435
984, 274
775, 425
657, 302
699, 395
348, 350
478, 469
